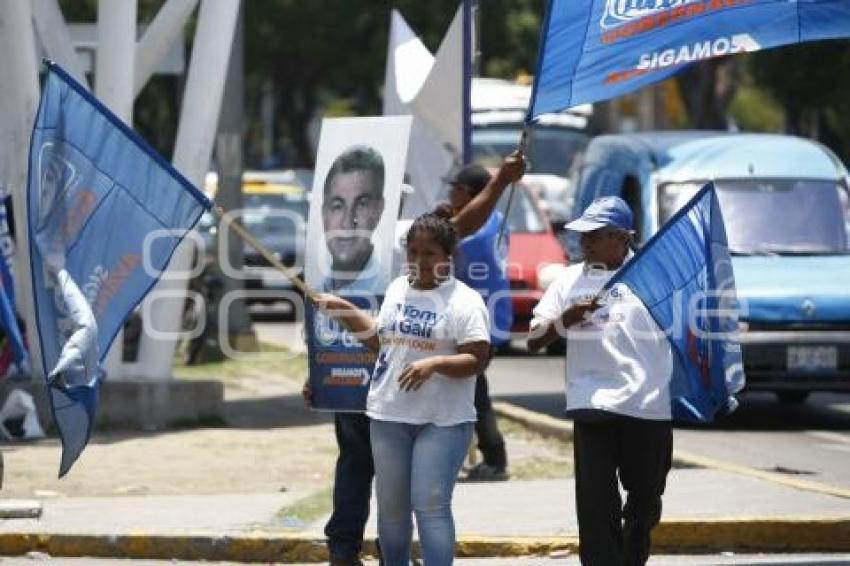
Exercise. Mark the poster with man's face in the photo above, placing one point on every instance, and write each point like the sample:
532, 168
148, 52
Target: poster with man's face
354, 205
350, 239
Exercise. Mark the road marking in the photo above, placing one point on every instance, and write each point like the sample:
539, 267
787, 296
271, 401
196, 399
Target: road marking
781, 479
562, 429
830, 436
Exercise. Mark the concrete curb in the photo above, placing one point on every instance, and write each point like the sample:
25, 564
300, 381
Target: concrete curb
563, 430
673, 537
799, 534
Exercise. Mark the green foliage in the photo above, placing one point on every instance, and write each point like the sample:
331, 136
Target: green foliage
318, 52
753, 109
811, 83
271, 360
306, 510
509, 31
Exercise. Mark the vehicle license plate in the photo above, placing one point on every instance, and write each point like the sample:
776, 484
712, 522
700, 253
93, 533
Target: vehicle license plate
812, 358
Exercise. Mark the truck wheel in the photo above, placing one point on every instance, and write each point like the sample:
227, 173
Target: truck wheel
792, 397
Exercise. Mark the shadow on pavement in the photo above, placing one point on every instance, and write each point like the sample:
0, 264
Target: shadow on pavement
271, 412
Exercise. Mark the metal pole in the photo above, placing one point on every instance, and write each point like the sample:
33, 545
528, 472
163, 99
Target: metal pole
523, 140
18, 102
195, 136
468, 26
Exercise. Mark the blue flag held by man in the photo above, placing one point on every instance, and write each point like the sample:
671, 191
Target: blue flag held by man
599, 49
683, 275
105, 214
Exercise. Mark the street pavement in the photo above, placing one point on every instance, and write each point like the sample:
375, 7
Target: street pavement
682, 560
708, 509
713, 508
810, 440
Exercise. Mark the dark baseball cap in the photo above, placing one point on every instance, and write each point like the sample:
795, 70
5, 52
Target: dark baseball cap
604, 211
473, 176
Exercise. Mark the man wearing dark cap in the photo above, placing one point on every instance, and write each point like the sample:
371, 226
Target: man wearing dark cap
481, 263
618, 369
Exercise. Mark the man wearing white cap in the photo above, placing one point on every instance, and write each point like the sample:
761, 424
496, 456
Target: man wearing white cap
618, 366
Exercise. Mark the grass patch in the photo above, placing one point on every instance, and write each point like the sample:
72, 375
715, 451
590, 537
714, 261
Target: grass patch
270, 360
540, 468
533, 456
306, 510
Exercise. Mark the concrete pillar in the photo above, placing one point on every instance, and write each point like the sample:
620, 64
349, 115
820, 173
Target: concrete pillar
116, 55
18, 103
195, 136
165, 29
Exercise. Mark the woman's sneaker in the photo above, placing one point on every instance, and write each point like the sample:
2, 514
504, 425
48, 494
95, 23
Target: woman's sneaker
486, 472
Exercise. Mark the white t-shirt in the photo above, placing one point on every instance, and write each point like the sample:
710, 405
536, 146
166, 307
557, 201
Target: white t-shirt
413, 325
618, 360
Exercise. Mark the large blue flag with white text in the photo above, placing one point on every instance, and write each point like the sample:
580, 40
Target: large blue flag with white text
683, 276
597, 49
105, 213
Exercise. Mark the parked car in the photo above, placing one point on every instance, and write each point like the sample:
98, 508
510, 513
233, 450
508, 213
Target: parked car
533, 253
274, 210
556, 141
783, 200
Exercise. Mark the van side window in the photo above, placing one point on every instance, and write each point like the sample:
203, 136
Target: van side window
631, 194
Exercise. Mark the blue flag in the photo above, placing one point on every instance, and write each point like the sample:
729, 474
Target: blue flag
96, 193
598, 49
683, 276
13, 358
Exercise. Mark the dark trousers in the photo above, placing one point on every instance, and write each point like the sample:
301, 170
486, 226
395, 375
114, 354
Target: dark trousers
640, 452
352, 485
490, 440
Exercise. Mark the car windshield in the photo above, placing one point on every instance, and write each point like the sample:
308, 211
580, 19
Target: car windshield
550, 150
772, 216
523, 217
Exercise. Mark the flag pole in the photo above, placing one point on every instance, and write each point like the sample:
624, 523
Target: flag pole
523, 141
264, 251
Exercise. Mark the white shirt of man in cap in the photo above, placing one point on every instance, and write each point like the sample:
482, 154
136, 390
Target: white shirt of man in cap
618, 369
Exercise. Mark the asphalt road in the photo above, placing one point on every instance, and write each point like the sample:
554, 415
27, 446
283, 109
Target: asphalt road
702, 560
810, 441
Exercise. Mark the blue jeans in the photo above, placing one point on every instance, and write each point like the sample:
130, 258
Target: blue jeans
415, 472
352, 485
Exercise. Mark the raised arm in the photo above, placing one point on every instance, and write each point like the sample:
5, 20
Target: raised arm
473, 216
355, 320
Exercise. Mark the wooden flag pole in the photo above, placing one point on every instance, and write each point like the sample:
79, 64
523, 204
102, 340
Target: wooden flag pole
264, 251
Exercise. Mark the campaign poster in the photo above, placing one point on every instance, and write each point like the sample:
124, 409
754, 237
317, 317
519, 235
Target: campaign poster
354, 208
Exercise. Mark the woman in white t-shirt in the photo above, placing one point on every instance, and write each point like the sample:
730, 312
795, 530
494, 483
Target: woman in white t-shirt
432, 338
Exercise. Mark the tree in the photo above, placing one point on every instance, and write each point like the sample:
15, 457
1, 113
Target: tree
317, 50
324, 50
808, 81
707, 89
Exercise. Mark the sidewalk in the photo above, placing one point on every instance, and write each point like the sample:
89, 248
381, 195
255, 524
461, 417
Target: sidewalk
706, 509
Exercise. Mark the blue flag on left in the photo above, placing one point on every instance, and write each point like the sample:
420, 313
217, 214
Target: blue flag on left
683, 275
13, 356
96, 196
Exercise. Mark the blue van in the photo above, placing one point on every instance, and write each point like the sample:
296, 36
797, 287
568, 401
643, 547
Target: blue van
785, 203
